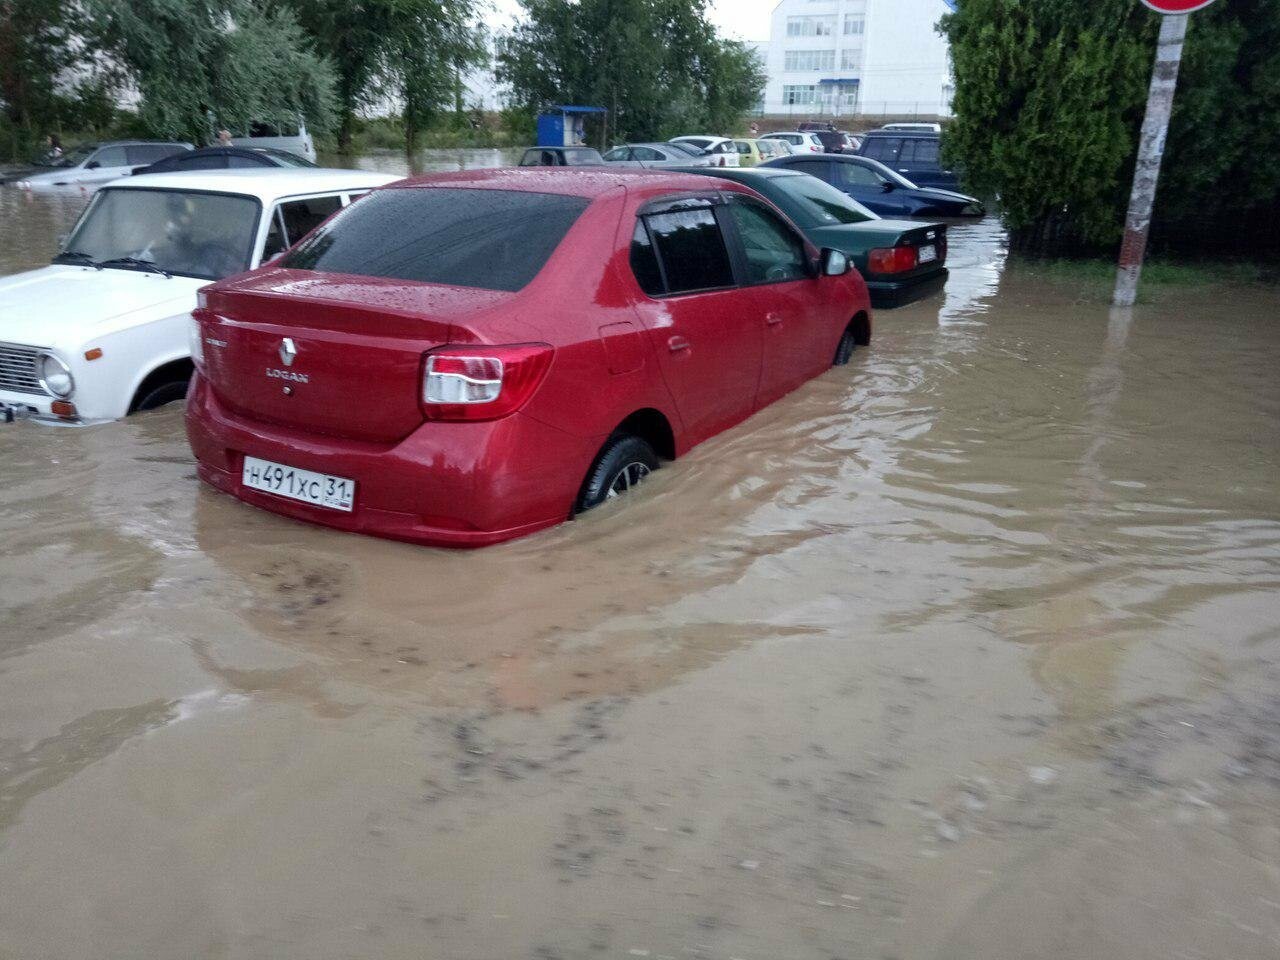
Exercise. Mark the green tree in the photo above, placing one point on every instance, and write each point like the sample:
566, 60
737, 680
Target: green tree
657, 65
229, 61
37, 43
1050, 95
403, 52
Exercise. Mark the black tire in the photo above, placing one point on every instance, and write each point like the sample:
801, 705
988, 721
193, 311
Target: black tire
624, 462
844, 349
160, 395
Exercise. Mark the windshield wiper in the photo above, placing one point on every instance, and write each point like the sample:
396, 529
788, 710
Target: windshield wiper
134, 262
79, 256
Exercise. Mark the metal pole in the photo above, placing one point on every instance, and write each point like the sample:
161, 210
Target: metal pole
1155, 129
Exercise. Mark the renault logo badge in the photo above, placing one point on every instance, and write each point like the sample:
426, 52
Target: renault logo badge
288, 350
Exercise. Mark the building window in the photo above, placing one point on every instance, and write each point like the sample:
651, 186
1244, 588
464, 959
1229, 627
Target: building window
810, 60
799, 94
854, 24
811, 26
851, 59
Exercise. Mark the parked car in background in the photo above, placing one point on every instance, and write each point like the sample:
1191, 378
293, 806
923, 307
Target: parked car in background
465, 358
658, 155
103, 331
882, 190
852, 141
833, 140
901, 260
921, 127
917, 155
720, 149
752, 153
94, 164
797, 142
225, 158
561, 157
291, 136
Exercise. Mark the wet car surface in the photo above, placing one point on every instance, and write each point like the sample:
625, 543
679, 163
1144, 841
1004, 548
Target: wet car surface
967, 649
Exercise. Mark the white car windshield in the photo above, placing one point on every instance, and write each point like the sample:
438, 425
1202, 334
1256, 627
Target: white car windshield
191, 234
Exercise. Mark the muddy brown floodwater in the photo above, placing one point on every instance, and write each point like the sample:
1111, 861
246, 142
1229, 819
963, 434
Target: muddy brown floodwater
970, 649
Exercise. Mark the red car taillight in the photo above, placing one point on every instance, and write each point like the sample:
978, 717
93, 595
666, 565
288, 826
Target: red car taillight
891, 260
482, 382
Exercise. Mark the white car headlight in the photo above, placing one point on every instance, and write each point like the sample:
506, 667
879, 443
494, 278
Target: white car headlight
55, 376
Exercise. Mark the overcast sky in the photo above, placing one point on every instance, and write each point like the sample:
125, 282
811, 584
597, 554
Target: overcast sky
739, 19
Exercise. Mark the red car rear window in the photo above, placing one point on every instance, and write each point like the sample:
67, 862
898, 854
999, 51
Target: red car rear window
488, 239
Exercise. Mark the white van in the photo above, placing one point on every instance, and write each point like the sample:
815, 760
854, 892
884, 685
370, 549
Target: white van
289, 137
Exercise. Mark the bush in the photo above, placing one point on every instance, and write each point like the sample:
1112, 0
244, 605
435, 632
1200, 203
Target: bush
1049, 98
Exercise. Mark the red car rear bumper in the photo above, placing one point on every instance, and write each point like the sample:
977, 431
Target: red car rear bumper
446, 484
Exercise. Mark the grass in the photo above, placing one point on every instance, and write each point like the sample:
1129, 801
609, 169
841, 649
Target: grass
1095, 278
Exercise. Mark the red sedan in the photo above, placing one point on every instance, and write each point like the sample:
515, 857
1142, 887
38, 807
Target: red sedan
465, 358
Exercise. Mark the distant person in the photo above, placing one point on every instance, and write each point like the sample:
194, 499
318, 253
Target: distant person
224, 138
52, 147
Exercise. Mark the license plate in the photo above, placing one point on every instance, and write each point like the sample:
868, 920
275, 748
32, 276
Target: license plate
317, 489
927, 254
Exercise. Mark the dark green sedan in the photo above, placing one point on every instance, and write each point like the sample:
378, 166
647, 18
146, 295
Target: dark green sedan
901, 260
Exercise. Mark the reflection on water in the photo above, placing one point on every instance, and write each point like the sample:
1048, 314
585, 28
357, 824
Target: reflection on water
921, 658
976, 255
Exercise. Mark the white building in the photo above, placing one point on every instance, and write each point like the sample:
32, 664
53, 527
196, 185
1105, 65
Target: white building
857, 57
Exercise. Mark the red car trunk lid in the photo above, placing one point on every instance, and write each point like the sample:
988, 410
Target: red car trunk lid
333, 355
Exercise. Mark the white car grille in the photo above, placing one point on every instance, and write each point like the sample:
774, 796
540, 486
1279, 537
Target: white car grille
20, 369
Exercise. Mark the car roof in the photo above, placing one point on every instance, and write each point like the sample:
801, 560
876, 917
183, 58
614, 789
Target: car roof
265, 183
931, 134
136, 143
589, 182
747, 174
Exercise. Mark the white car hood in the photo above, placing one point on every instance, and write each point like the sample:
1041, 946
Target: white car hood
65, 305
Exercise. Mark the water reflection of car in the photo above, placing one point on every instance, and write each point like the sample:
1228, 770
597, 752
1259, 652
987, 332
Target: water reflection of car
226, 158
102, 332
94, 164
658, 155
467, 358
882, 190
561, 157
901, 260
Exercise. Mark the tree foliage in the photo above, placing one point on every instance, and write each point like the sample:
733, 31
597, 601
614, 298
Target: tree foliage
226, 62
657, 65
408, 53
1050, 95
39, 40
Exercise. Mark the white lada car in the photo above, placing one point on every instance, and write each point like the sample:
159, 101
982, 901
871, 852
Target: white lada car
103, 331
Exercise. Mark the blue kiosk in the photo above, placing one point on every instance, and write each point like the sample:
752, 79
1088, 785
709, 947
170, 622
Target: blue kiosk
564, 126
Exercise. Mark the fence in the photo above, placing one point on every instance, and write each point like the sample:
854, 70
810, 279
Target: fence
880, 109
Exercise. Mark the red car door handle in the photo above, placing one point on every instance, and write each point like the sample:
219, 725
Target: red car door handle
677, 344
773, 319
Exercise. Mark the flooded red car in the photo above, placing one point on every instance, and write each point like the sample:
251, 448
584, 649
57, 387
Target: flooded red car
461, 359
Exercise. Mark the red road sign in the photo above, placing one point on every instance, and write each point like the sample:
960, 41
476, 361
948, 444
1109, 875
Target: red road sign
1176, 6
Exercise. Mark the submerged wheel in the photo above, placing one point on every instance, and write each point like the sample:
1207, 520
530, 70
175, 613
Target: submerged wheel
623, 463
844, 349
162, 394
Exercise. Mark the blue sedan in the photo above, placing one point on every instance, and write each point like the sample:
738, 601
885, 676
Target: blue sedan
880, 189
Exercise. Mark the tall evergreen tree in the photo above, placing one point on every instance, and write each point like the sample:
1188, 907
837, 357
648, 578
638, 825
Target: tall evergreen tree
1050, 95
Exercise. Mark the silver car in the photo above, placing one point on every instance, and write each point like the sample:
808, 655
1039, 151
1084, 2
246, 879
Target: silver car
94, 164
657, 156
